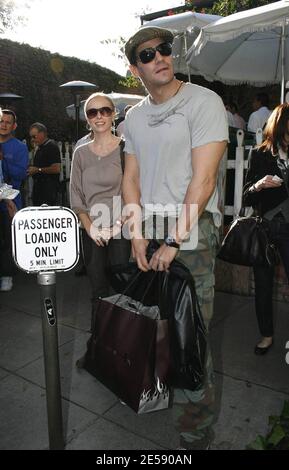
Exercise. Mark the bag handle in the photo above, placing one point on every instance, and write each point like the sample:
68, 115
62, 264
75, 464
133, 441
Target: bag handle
284, 168
132, 282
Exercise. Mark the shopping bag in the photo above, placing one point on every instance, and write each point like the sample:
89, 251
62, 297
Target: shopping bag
175, 294
129, 352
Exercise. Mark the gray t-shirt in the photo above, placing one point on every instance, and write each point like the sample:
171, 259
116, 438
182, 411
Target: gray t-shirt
162, 136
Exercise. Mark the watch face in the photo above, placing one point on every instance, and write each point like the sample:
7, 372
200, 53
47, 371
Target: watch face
170, 241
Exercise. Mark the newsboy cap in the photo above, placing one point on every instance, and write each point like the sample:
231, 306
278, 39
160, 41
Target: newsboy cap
142, 35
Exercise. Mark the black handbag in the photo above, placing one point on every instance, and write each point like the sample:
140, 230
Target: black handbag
248, 243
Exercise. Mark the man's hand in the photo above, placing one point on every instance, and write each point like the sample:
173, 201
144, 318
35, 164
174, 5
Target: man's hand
11, 207
163, 257
139, 248
32, 170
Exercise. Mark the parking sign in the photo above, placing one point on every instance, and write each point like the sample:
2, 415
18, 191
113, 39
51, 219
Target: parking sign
45, 239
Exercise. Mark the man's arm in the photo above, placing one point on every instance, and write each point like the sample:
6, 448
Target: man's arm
205, 165
131, 196
53, 169
11, 208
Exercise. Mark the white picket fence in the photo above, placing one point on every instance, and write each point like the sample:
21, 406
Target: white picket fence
239, 164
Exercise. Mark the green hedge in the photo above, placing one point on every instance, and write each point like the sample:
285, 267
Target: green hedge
36, 75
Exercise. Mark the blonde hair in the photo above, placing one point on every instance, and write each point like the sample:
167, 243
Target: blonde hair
101, 95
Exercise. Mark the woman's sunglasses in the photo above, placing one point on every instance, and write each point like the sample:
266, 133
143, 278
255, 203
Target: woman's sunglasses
105, 111
148, 54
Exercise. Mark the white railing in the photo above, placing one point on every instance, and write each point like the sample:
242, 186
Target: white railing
239, 164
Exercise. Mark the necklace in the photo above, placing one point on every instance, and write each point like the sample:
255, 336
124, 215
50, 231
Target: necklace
178, 89
176, 92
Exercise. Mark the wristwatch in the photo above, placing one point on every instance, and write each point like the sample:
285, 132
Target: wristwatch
253, 189
170, 241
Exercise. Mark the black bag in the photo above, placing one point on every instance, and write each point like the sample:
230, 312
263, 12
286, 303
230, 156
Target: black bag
175, 294
248, 243
129, 352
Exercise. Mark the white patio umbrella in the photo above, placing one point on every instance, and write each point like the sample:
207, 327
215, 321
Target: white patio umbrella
247, 47
185, 27
121, 100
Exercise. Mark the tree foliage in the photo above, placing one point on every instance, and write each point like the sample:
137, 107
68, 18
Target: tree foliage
228, 7
8, 15
118, 45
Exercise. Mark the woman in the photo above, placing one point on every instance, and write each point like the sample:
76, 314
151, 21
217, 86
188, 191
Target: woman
95, 194
267, 191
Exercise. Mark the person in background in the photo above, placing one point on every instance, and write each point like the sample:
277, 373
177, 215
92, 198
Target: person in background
96, 178
120, 127
84, 140
261, 113
174, 141
267, 191
238, 121
14, 159
46, 167
230, 116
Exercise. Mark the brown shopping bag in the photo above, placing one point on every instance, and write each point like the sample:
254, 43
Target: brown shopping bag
129, 352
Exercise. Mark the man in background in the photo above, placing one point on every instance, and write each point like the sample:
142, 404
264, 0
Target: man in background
259, 117
14, 165
120, 127
46, 167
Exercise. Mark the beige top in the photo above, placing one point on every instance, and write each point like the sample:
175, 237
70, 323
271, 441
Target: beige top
94, 182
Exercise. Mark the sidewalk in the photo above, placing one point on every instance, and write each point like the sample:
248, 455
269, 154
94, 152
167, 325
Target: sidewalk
249, 387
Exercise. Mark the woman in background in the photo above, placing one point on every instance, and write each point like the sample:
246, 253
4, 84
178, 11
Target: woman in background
267, 191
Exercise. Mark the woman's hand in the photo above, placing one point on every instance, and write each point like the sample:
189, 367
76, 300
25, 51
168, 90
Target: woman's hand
268, 181
100, 236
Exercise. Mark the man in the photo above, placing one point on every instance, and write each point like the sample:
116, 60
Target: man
46, 167
259, 117
175, 139
14, 167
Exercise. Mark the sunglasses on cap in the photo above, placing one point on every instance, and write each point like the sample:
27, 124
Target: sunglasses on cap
105, 111
148, 54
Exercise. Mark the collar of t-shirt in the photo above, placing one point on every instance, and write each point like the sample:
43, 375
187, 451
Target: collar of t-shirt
45, 143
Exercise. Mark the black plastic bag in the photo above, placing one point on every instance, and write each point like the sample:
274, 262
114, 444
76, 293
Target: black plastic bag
175, 294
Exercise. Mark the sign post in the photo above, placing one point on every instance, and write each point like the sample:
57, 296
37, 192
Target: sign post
46, 240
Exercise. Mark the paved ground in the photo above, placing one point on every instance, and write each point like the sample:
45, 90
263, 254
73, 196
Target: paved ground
249, 388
